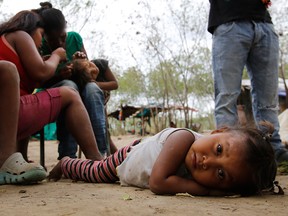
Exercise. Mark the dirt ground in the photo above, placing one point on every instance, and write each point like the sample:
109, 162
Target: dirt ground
65, 198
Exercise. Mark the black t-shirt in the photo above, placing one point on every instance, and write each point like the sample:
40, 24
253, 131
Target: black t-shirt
102, 65
223, 11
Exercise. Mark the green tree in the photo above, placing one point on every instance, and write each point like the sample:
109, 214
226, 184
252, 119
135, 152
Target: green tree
131, 86
173, 42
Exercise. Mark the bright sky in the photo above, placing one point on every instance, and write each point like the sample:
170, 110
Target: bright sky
14, 6
114, 26
109, 25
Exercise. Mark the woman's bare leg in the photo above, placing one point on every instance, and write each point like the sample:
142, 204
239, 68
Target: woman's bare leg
22, 147
9, 109
78, 123
113, 147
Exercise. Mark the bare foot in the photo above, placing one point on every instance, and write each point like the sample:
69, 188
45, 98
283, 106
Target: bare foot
56, 173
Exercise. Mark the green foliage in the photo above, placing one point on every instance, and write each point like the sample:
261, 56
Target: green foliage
131, 86
285, 69
245, 74
206, 121
283, 168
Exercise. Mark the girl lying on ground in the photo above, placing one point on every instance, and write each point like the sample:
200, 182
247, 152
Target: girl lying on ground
230, 160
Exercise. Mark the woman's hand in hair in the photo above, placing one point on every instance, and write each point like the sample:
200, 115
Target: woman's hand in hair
66, 71
61, 53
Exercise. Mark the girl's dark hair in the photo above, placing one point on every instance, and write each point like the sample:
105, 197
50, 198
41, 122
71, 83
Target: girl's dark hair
260, 158
27, 21
80, 74
53, 18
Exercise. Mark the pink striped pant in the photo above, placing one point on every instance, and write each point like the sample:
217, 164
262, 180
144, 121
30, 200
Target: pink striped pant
103, 171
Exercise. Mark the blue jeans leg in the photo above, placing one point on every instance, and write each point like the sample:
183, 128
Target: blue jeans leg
67, 144
254, 44
93, 100
229, 53
262, 65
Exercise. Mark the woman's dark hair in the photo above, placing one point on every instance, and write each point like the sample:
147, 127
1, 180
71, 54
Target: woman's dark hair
27, 21
53, 18
260, 157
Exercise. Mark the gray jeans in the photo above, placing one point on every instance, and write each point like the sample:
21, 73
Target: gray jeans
256, 45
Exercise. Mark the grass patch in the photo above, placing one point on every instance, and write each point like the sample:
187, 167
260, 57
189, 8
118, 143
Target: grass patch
283, 168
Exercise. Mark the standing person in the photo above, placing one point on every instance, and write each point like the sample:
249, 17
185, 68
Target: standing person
13, 168
56, 36
243, 34
20, 35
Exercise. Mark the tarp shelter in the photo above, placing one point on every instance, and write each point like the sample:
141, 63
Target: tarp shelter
124, 112
145, 111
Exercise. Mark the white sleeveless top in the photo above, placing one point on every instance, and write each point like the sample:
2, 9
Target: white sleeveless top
136, 169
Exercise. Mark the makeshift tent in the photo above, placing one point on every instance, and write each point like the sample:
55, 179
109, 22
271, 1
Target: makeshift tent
124, 112
145, 113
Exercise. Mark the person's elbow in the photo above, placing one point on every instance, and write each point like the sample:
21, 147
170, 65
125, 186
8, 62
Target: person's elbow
41, 77
155, 187
115, 85
158, 186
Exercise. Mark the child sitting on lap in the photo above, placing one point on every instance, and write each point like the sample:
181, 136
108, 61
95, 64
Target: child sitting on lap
177, 160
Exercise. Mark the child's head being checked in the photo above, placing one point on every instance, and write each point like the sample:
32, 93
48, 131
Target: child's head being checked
177, 160
83, 71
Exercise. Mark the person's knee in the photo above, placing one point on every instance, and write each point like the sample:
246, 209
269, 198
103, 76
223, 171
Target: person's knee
92, 92
69, 95
92, 88
9, 73
68, 83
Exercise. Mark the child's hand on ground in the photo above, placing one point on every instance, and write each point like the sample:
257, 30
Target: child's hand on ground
56, 173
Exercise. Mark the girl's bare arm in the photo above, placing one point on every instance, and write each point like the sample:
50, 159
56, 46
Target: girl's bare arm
163, 179
110, 83
33, 63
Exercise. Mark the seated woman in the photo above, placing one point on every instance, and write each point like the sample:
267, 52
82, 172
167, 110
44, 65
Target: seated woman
20, 35
55, 36
98, 71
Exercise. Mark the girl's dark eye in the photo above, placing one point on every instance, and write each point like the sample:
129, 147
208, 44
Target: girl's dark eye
221, 174
219, 149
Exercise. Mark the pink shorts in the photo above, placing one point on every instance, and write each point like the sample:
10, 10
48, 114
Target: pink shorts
37, 110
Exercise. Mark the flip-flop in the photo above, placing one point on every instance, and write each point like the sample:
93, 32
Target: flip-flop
16, 170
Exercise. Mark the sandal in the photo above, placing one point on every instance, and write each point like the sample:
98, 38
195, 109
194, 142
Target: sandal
16, 170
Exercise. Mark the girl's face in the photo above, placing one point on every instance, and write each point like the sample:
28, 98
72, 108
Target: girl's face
37, 36
90, 68
93, 69
56, 39
217, 161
